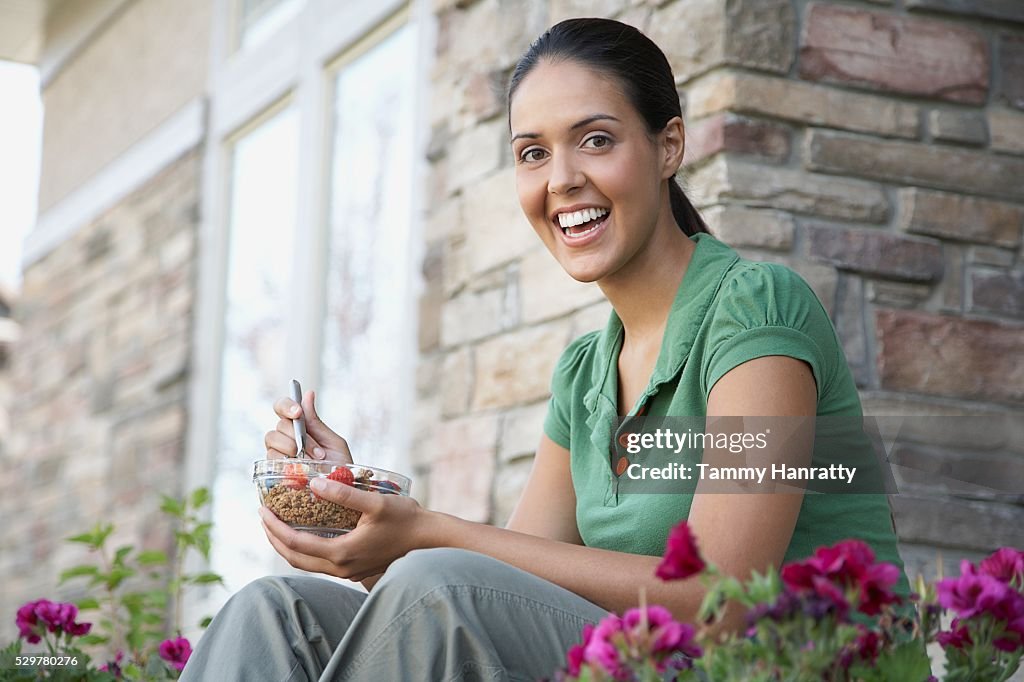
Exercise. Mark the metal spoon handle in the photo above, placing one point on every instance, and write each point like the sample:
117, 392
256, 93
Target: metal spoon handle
299, 424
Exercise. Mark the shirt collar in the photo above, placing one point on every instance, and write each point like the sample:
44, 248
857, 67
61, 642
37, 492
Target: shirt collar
710, 261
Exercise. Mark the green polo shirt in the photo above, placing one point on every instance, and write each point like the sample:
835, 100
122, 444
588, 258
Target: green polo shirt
728, 310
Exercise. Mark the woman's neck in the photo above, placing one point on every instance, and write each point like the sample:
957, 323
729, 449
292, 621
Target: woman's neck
643, 291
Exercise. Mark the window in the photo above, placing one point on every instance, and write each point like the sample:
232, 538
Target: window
258, 19
365, 380
261, 233
310, 237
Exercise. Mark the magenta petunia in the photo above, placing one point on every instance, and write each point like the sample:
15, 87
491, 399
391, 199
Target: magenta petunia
601, 650
845, 562
1005, 564
176, 652
800, 575
868, 644
876, 584
574, 659
682, 558
656, 616
26, 620
956, 637
972, 594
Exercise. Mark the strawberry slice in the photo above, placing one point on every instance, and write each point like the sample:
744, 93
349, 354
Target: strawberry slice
342, 475
295, 476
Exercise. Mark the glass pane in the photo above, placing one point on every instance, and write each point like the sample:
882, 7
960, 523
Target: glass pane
258, 19
261, 226
368, 331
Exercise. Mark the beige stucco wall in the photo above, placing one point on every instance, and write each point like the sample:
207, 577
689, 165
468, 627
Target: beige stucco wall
148, 61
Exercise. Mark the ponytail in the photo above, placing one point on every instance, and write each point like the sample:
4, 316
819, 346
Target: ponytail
686, 215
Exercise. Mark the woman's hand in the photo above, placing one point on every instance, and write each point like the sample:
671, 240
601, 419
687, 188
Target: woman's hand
390, 527
321, 441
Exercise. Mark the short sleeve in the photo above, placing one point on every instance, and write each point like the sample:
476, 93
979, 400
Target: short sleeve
767, 309
567, 384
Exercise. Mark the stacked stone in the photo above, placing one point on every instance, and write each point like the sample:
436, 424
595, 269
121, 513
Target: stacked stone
877, 147
100, 380
8, 335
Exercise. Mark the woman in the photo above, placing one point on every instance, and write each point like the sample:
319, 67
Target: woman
597, 138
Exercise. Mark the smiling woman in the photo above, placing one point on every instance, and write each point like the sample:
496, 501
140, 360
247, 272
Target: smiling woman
695, 331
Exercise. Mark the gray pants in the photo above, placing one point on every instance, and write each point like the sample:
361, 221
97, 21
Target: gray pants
436, 614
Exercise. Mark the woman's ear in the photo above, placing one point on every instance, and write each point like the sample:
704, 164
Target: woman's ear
673, 145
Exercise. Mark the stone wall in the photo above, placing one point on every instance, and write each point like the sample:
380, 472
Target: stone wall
100, 374
875, 147
8, 335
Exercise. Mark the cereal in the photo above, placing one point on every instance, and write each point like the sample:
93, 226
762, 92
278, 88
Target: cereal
300, 507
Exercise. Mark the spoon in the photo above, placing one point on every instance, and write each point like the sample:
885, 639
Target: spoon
299, 424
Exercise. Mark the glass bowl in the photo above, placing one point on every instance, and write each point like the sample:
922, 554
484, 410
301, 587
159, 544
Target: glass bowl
283, 486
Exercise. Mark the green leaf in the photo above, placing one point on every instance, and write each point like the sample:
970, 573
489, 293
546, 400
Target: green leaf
151, 557
121, 553
94, 538
157, 598
205, 622
908, 661
200, 497
117, 576
93, 639
77, 571
172, 506
88, 604
152, 618
206, 578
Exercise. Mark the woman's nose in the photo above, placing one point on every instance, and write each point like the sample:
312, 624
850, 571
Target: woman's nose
566, 176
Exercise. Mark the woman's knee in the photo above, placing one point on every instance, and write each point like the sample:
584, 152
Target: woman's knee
428, 569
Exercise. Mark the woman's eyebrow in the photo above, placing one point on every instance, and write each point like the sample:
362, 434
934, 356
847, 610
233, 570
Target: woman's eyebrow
579, 124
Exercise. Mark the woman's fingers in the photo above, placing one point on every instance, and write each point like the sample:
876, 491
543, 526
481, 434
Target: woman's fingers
321, 441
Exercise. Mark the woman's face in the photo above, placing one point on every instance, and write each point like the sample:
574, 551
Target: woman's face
589, 176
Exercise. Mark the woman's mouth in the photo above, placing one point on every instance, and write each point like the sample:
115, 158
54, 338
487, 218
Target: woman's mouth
579, 225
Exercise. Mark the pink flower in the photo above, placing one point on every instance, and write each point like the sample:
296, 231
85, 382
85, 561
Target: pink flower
574, 657
1005, 564
113, 667
875, 588
845, 562
574, 660
601, 651
868, 644
682, 558
669, 636
956, 637
971, 593
26, 620
176, 652
799, 576
32, 617
1010, 612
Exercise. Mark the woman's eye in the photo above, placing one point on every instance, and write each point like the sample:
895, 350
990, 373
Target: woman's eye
533, 154
598, 141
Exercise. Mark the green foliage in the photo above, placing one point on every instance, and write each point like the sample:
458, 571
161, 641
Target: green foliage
131, 592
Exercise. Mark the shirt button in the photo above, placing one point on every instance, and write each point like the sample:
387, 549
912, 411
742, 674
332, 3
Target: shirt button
624, 439
621, 466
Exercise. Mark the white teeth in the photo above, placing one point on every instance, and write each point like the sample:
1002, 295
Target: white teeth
580, 217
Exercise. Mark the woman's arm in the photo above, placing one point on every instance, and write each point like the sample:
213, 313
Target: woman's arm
739, 533
547, 505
